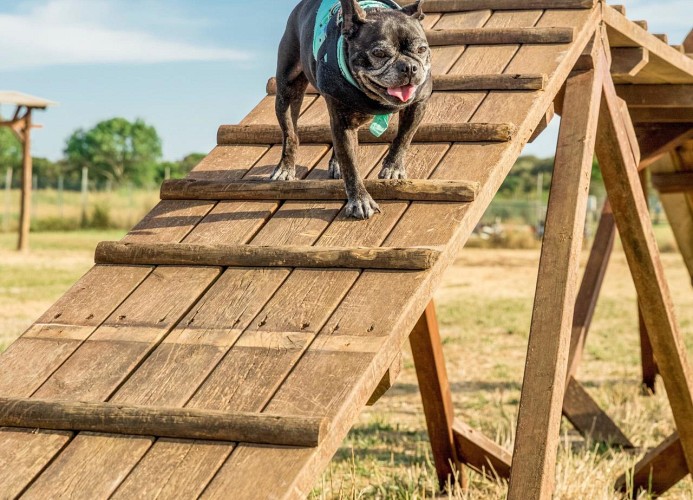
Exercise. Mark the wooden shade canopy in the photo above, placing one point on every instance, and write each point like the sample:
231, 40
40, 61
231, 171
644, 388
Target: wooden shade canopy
21, 124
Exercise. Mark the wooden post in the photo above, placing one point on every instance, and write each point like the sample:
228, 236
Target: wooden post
25, 208
429, 361
620, 174
546, 368
649, 365
85, 195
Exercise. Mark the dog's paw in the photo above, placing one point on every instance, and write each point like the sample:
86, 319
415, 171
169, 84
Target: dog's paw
361, 207
283, 173
333, 170
393, 172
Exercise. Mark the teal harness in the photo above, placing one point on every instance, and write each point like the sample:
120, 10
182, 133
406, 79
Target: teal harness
327, 11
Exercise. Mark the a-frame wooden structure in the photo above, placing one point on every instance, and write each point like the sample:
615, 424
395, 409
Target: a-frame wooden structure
21, 125
263, 302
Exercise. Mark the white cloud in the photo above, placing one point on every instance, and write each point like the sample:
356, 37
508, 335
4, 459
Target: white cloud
66, 32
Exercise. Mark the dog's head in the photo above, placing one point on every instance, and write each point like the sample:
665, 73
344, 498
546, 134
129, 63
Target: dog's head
388, 53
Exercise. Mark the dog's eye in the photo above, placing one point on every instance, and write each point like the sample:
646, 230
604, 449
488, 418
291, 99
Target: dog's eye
380, 53
422, 50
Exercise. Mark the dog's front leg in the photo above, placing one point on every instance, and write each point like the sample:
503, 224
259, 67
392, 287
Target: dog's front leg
345, 125
409, 120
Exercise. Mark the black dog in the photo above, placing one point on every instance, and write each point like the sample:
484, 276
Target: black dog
367, 58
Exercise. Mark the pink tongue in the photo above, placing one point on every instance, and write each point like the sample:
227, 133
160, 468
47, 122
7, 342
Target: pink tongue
402, 93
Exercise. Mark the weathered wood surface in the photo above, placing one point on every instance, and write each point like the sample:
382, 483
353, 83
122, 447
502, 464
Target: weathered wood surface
675, 182
658, 471
283, 343
111, 418
400, 189
543, 389
466, 5
628, 61
631, 215
186, 254
480, 453
499, 36
322, 134
462, 83
429, 361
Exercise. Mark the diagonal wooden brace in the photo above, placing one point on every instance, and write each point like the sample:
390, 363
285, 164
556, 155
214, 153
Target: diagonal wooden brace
546, 368
620, 174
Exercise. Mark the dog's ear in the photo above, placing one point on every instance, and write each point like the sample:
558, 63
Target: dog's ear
354, 17
415, 10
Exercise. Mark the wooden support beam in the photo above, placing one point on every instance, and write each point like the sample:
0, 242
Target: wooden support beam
656, 139
630, 213
543, 390
544, 122
480, 453
322, 134
435, 6
621, 9
387, 381
642, 23
589, 419
677, 182
183, 254
27, 184
662, 115
427, 349
180, 423
499, 36
656, 96
442, 83
400, 189
658, 471
662, 37
628, 61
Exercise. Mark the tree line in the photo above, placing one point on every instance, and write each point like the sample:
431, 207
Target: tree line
116, 152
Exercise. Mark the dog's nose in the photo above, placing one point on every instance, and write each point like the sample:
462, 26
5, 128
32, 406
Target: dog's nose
407, 68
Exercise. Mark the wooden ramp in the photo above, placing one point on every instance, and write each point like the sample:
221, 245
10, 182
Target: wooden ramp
302, 344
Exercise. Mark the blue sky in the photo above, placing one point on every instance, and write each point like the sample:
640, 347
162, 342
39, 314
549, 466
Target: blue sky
184, 66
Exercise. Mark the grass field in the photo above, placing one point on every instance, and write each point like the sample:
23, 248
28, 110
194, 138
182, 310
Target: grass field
485, 310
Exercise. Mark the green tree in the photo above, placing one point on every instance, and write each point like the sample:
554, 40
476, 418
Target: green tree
116, 151
10, 152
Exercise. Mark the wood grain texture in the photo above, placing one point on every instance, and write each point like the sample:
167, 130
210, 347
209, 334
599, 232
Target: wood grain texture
677, 182
261, 428
461, 83
401, 189
463, 5
658, 471
630, 212
543, 388
429, 361
185, 254
322, 134
480, 453
499, 36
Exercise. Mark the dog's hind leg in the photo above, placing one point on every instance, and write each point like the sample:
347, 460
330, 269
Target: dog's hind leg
291, 87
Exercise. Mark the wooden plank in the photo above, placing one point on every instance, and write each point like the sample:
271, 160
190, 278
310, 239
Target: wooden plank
322, 134
676, 182
185, 254
630, 212
662, 115
628, 61
499, 36
294, 472
464, 5
480, 453
647, 361
462, 82
588, 418
400, 189
261, 428
656, 96
387, 381
657, 472
547, 355
252, 359
429, 361
543, 123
